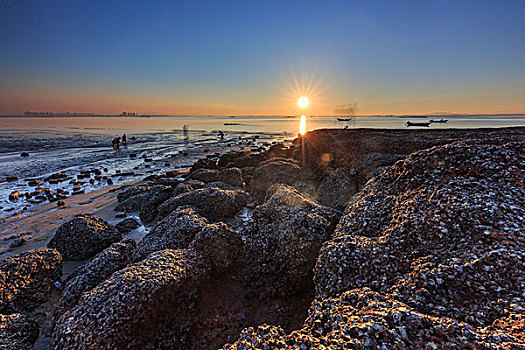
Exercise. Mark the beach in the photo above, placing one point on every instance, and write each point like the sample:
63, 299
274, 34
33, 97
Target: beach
250, 236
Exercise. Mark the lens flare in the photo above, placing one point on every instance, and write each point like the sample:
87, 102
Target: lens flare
303, 102
302, 125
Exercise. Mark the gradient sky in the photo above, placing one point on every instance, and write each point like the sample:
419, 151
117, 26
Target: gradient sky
241, 57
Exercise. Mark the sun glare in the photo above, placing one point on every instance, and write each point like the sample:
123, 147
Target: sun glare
303, 102
302, 125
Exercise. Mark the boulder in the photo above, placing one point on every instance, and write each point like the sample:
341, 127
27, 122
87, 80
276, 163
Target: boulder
176, 231
232, 176
88, 276
240, 159
27, 279
441, 231
24, 154
147, 305
212, 203
337, 188
279, 170
363, 319
17, 332
204, 163
127, 225
204, 175
289, 231
145, 199
83, 237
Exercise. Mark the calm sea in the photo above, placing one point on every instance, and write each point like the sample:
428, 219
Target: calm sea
118, 125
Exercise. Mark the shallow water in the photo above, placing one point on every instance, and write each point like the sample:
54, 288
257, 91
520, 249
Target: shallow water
267, 124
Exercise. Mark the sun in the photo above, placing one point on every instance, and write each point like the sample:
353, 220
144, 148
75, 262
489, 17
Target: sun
303, 102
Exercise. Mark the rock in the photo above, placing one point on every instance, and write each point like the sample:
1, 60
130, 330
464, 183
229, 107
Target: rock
18, 242
176, 231
26, 279
11, 178
24, 154
145, 199
362, 319
204, 163
61, 203
240, 159
337, 188
33, 183
127, 225
13, 196
88, 276
109, 180
17, 332
204, 175
279, 170
441, 231
83, 237
232, 176
145, 305
212, 203
290, 229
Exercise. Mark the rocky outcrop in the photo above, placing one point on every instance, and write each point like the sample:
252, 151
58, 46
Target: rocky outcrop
290, 229
279, 170
97, 270
127, 225
147, 305
212, 203
337, 188
441, 231
232, 176
363, 319
145, 199
240, 159
204, 175
176, 231
83, 237
17, 332
26, 279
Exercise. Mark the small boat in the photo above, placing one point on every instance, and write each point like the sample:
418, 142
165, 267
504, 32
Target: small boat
232, 124
344, 119
417, 124
439, 121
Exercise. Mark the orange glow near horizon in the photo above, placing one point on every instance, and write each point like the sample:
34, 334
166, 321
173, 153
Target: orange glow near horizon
302, 125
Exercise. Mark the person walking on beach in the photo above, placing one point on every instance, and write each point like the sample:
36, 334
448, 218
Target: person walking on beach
124, 139
221, 134
116, 143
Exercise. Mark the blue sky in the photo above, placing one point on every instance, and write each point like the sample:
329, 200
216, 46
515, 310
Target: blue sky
241, 57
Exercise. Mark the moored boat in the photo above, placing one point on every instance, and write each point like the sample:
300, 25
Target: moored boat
417, 124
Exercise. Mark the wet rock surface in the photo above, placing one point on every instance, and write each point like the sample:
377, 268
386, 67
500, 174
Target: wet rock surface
145, 199
127, 225
27, 279
83, 237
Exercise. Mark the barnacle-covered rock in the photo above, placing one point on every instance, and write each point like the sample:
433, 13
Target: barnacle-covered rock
280, 170
442, 230
17, 332
27, 279
337, 188
212, 202
83, 237
145, 199
98, 269
147, 305
176, 231
290, 228
363, 319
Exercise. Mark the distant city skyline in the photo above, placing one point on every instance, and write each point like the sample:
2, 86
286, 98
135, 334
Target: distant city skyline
258, 58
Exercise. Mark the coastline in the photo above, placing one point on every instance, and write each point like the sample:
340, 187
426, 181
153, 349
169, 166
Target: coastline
247, 238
